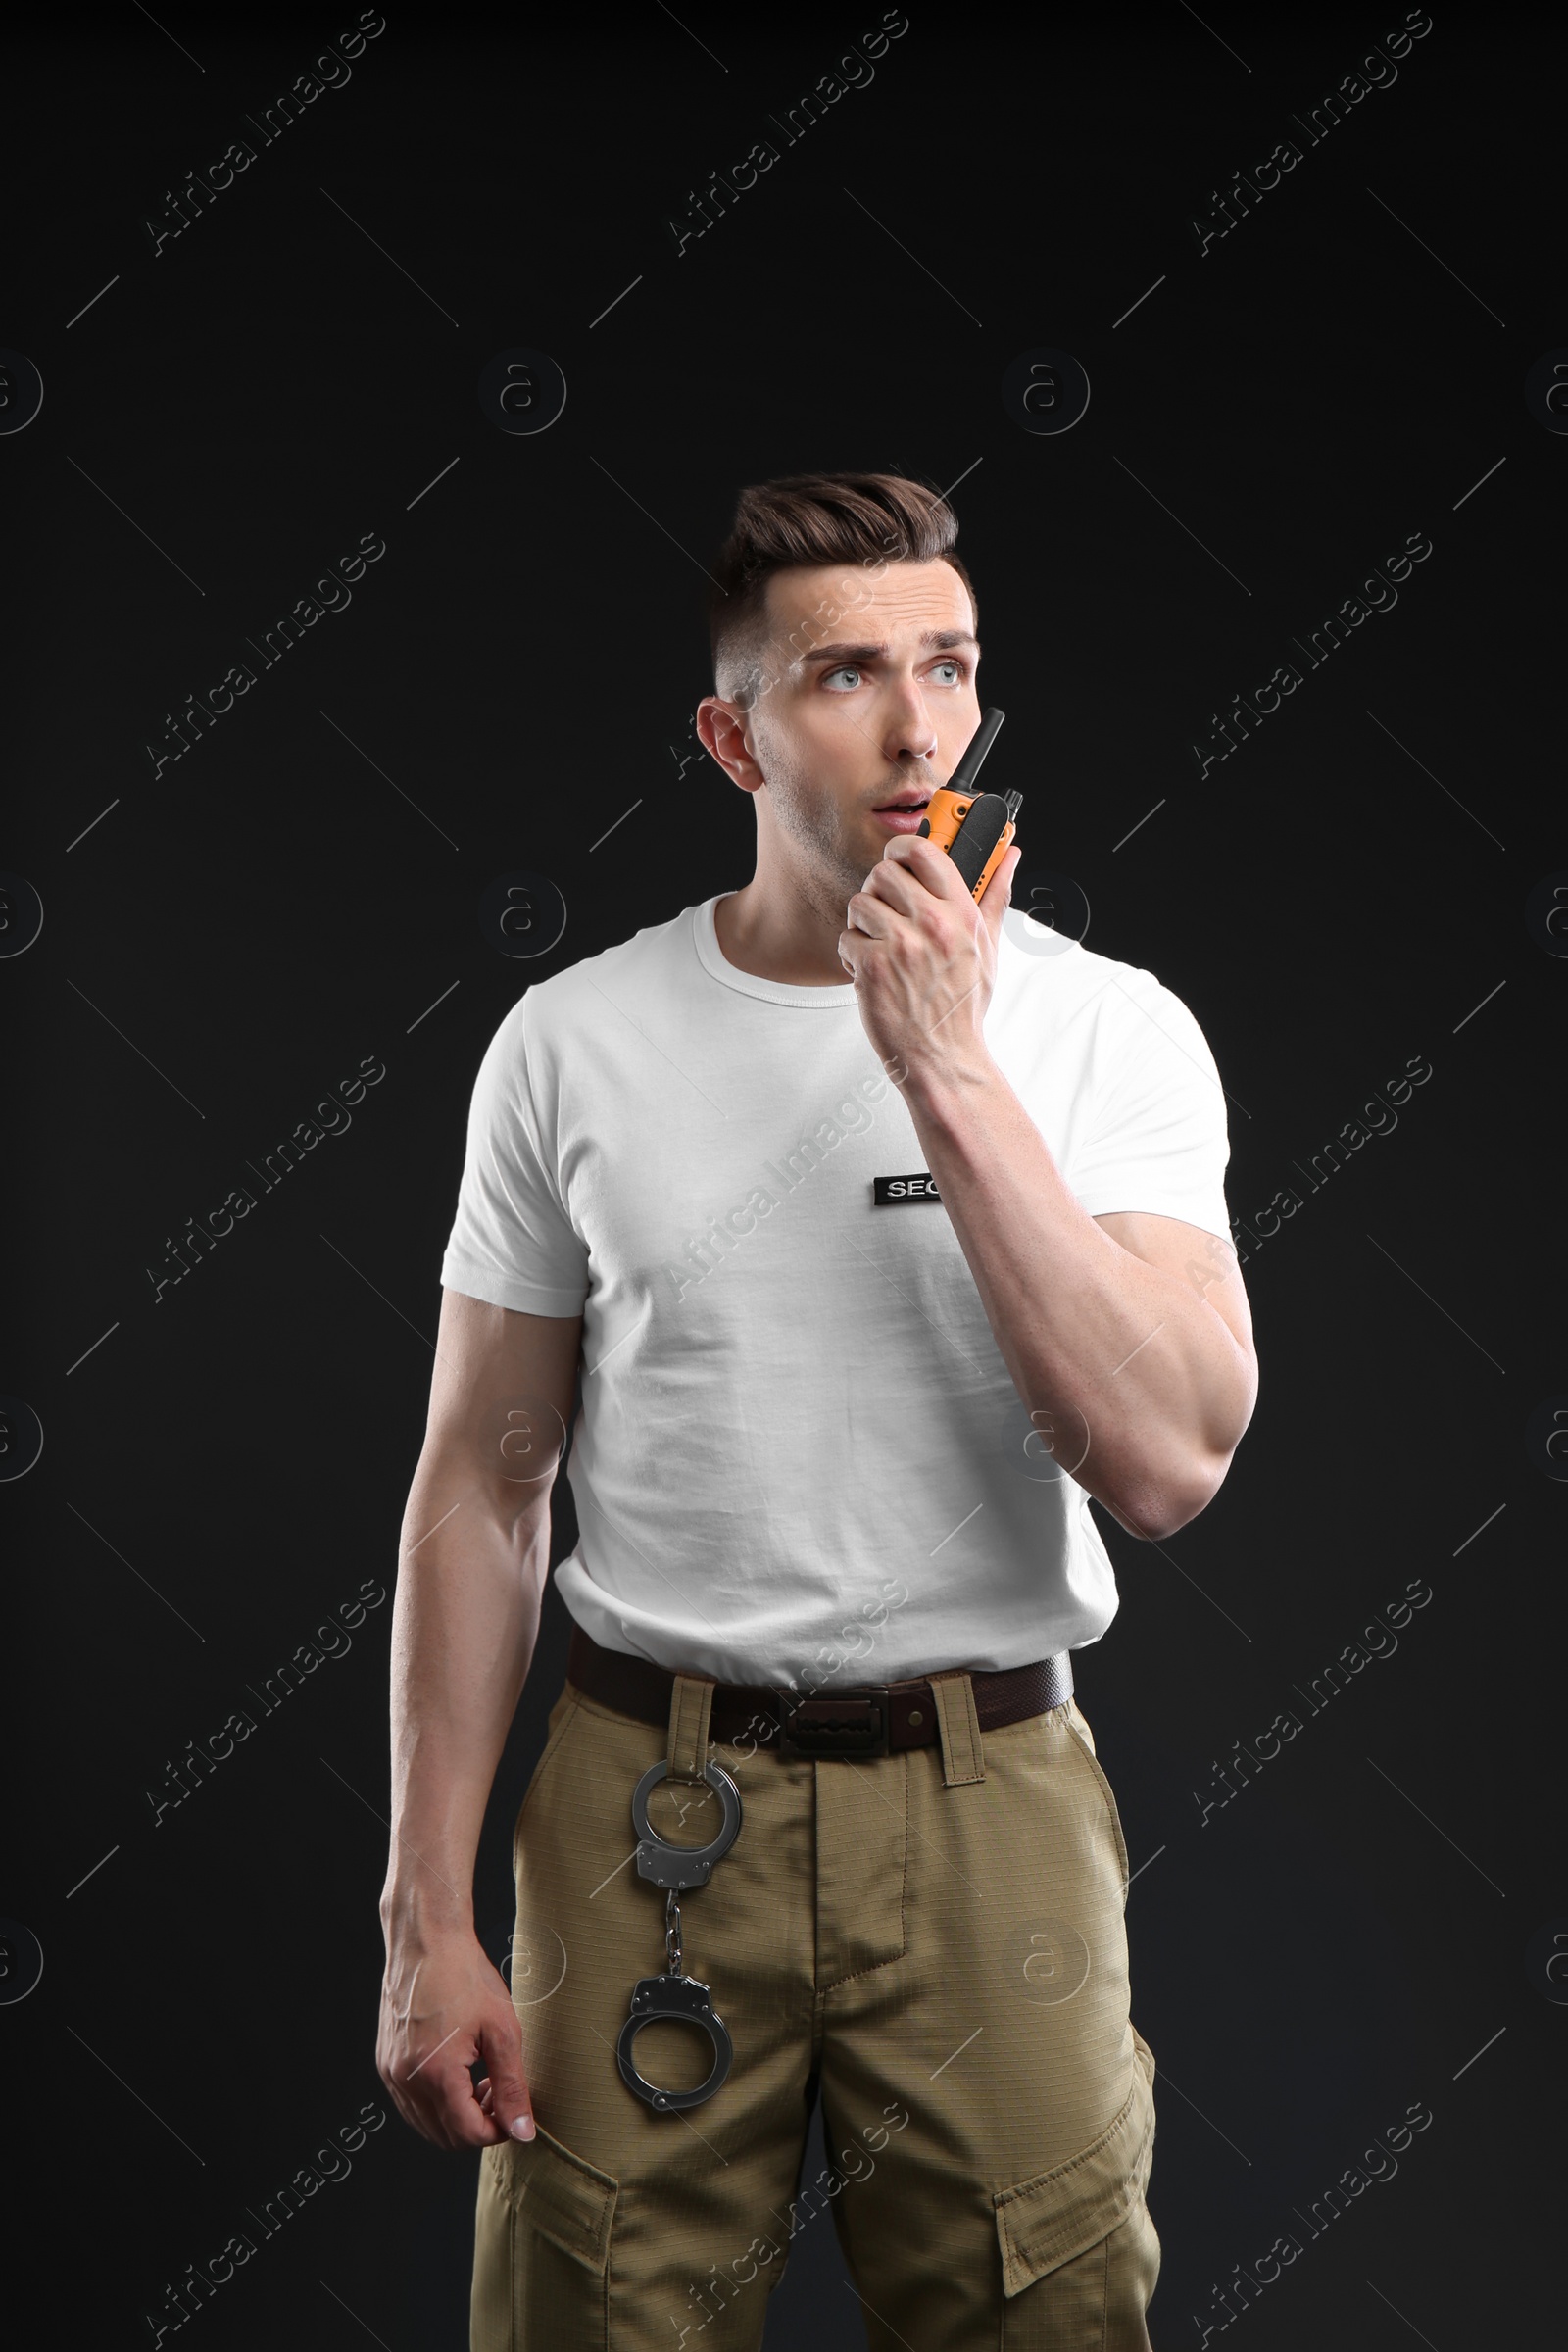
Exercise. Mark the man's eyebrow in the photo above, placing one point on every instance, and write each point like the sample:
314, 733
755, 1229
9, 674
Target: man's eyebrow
936, 640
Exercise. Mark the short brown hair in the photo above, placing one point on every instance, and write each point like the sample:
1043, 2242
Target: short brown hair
802, 520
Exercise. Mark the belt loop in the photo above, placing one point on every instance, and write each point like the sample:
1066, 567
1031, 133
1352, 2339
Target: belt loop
963, 1755
691, 1704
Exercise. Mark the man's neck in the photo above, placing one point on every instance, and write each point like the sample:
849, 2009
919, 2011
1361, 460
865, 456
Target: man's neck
776, 934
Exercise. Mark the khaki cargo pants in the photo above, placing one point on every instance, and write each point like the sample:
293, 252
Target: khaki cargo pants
935, 1938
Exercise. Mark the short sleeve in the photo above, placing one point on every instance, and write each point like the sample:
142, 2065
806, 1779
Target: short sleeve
1155, 1138
512, 1242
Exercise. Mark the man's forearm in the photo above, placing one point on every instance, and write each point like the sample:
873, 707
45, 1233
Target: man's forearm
464, 1629
1137, 1386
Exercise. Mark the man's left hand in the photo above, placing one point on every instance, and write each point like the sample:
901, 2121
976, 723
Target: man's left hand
924, 959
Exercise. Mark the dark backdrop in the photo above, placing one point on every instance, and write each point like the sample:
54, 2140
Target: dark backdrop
1365, 882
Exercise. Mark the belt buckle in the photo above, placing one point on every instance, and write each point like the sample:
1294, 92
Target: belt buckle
856, 1723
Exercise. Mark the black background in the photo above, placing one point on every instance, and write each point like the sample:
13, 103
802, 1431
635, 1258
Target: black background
519, 669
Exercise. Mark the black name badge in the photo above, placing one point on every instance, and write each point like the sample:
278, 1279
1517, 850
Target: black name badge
888, 1192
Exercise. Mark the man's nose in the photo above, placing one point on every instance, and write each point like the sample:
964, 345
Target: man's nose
911, 732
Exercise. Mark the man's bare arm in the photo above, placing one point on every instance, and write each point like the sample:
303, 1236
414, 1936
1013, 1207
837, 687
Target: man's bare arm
1137, 1379
472, 1562
1140, 1377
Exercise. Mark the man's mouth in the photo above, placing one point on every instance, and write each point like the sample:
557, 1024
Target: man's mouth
905, 813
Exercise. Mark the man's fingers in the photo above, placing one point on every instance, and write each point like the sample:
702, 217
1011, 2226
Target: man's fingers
455, 2069
862, 913
924, 864
436, 2094
444, 2105
501, 2047
455, 2115
905, 885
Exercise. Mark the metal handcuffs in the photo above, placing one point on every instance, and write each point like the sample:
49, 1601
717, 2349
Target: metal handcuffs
674, 1994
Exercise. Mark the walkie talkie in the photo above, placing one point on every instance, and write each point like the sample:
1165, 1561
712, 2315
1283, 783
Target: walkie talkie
975, 829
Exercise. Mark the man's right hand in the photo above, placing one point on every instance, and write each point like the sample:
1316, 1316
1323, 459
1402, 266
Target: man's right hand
473, 1558
443, 2006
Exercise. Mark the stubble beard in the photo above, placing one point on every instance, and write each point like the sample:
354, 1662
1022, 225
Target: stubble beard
827, 871
830, 871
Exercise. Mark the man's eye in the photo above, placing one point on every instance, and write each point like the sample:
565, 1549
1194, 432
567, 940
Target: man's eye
956, 667
846, 670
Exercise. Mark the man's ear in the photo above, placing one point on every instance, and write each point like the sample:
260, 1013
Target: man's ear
721, 731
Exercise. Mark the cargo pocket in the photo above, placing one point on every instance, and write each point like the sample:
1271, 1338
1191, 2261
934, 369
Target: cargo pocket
541, 2249
1079, 2253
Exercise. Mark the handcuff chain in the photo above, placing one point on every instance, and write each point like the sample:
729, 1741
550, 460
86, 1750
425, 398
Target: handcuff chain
678, 1869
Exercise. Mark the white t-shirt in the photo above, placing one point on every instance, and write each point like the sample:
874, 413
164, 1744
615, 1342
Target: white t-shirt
799, 1452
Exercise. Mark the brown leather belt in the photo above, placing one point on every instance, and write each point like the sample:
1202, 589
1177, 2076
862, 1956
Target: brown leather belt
863, 1719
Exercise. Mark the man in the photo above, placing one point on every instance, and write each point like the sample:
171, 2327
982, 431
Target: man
837, 1438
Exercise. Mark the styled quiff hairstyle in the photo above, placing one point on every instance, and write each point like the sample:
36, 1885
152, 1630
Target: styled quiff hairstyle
805, 519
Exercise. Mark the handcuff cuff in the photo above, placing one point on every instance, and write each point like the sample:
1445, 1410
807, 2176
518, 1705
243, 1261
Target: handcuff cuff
674, 1994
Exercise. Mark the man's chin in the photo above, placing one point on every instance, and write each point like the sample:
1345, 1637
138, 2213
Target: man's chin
857, 871
831, 886
876, 838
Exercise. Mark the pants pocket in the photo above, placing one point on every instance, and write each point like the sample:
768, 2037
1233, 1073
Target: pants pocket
1083, 1740
1094, 2303
542, 2242
1080, 2256
558, 1724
